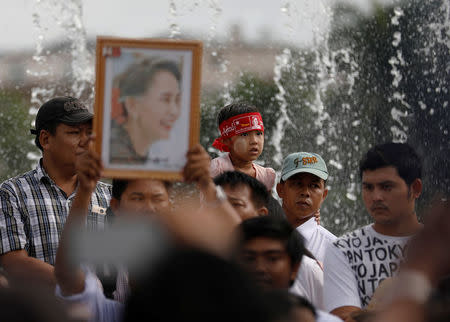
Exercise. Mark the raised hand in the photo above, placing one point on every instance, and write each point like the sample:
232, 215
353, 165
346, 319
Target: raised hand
89, 167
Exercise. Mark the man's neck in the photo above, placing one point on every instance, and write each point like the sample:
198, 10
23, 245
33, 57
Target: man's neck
64, 178
408, 227
295, 221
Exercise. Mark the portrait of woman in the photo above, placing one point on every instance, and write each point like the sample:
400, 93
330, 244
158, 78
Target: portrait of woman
145, 105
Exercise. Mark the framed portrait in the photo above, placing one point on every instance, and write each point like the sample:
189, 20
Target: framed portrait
147, 105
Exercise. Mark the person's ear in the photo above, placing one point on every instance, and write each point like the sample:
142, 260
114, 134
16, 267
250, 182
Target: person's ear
114, 204
416, 188
263, 211
280, 190
44, 139
325, 194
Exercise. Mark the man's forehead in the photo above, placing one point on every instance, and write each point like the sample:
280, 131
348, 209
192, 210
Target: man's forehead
305, 176
87, 124
381, 175
237, 190
145, 186
264, 244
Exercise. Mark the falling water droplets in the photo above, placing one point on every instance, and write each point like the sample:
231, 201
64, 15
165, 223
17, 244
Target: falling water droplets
397, 38
173, 25
285, 8
398, 12
399, 111
422, 105
281, 62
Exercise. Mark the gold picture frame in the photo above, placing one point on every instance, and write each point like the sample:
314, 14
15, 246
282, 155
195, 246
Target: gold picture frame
147, 105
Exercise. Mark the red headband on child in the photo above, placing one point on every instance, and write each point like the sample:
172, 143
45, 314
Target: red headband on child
238, 124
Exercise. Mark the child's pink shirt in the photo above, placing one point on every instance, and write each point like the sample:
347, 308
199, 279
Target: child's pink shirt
265, 175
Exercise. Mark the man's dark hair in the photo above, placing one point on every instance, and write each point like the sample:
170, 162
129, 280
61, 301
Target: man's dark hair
283, 305
234, 109
216, 290
259, 194
275, 209
301, 302
274, 228
398, 155
120, 185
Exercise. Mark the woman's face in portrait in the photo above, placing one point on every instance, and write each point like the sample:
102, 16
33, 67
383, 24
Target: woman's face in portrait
158, 108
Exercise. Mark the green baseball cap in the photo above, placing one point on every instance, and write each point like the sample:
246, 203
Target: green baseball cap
304, 162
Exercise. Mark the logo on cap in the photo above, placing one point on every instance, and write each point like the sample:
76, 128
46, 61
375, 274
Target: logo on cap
73, 105
305, 161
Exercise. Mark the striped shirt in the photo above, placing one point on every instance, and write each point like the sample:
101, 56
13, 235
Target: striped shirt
33, 210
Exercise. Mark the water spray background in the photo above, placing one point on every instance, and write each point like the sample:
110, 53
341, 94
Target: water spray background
362, 79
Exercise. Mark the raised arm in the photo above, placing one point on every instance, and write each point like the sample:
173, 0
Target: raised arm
197, 170
69, 276
211, 227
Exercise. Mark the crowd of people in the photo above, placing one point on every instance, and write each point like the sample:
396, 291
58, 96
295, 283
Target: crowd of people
74, 248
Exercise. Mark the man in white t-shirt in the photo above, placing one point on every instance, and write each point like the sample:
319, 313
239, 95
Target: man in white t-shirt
357, 262
303, 190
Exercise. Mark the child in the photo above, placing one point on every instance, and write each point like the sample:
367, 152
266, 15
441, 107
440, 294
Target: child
242, 135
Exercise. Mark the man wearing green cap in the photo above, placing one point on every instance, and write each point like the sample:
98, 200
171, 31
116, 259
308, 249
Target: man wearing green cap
303, 189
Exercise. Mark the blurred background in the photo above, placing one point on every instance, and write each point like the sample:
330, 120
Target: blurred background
331, 77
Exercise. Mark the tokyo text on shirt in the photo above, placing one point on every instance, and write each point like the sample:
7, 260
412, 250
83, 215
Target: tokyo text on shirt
356, 263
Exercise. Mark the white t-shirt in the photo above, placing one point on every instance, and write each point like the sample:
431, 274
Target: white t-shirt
309, 282
356, 263
316, 238
323, 316
99, 307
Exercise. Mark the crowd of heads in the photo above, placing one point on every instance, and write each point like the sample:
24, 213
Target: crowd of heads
251, 280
